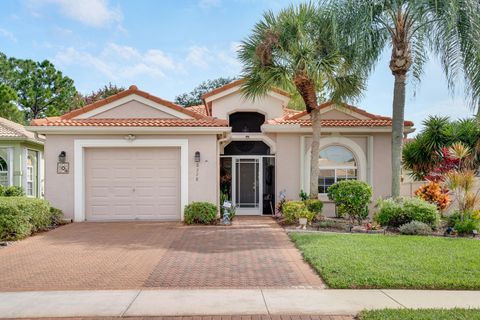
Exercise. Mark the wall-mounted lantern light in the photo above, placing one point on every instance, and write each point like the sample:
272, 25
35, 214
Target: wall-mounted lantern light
62, 156
197, 156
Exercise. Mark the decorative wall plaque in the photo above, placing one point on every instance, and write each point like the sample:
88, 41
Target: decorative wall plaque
63, 167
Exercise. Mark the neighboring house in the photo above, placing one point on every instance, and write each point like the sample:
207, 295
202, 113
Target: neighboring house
21, 158
136, 156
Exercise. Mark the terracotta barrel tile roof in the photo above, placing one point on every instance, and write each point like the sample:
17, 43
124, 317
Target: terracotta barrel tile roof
150, 122
10, 129
340, 123
200, 109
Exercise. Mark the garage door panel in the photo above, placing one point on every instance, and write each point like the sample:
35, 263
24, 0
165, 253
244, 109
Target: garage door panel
132, 183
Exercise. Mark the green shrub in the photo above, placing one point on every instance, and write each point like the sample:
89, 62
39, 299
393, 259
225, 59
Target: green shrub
56, 216
20, 216
352, 198
466, 226
394, 213
421, 210
200, 212
12, 191
314, 205
291, 210
463, 223
415, 227
14, 224
303, 195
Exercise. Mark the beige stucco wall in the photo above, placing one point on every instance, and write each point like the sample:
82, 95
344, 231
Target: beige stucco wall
59, 188
337, 115
289, 173
269, 106
132, 109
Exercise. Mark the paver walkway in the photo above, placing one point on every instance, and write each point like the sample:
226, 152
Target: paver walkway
133, 255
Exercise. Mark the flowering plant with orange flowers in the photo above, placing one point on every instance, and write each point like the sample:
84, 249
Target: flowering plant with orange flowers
434, 193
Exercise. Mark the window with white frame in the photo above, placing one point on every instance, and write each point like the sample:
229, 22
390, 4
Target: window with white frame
4, 171
32, 173
336, 163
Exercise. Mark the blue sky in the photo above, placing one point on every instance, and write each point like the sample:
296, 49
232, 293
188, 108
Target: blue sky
167, 47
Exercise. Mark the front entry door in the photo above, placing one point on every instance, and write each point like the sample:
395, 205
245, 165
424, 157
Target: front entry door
247, 186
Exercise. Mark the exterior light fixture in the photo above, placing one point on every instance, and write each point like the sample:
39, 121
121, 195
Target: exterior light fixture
62, 156
197, 156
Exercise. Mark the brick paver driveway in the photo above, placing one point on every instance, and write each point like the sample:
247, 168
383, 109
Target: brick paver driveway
128, 255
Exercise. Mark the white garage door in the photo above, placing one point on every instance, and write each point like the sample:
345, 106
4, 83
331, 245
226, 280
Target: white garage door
132, 183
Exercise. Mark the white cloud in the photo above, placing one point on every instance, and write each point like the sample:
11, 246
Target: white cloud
120, 62
94, 13
199, 56
229, 58
7, 34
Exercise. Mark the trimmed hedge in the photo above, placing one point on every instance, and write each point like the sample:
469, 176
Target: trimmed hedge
394, 213
352, 198
200, 213
20, 216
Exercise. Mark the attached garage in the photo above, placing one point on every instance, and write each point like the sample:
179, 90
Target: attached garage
132, 184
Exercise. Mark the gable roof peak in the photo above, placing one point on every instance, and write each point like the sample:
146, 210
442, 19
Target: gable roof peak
133, 89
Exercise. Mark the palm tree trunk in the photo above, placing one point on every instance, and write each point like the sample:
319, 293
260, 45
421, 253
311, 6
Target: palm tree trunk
316, 133
397, 131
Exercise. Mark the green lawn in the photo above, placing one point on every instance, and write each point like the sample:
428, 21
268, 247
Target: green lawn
422, 314
379, 261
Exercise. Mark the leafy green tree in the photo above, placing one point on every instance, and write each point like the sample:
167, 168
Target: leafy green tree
8, 108
299, 50
102, 93
42, 90
427, 151
194, 97
412, 29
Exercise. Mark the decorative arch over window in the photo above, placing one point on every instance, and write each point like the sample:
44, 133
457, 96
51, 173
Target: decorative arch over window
336, 163
354, 148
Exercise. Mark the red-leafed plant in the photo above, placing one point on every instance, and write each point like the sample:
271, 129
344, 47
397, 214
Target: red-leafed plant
434, 193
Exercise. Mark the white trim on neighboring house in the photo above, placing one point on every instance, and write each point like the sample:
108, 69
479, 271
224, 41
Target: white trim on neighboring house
357, 151
11, 161
128, 130
129, 98
79, 166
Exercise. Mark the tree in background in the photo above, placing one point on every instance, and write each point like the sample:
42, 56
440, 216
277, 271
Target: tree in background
41, 89
437, 149
299, 49
194, 97
100, 94
412, 30
8, 107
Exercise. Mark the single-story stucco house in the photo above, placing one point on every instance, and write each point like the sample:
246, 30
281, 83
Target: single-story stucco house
136, 156
21, 158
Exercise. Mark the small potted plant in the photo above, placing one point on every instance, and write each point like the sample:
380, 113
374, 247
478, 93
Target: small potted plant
304, 217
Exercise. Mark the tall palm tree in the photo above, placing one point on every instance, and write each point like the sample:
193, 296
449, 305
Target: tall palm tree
298, 50
413, 29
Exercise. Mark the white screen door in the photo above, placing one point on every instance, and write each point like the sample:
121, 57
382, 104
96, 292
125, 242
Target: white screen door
247, 187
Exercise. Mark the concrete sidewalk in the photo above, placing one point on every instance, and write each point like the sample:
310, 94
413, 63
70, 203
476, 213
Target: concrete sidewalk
223, 302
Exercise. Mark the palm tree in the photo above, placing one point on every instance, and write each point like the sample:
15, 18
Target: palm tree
413, 29
298, 50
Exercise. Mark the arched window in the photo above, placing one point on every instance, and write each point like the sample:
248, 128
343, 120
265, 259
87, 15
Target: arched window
3, 172
336, 163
